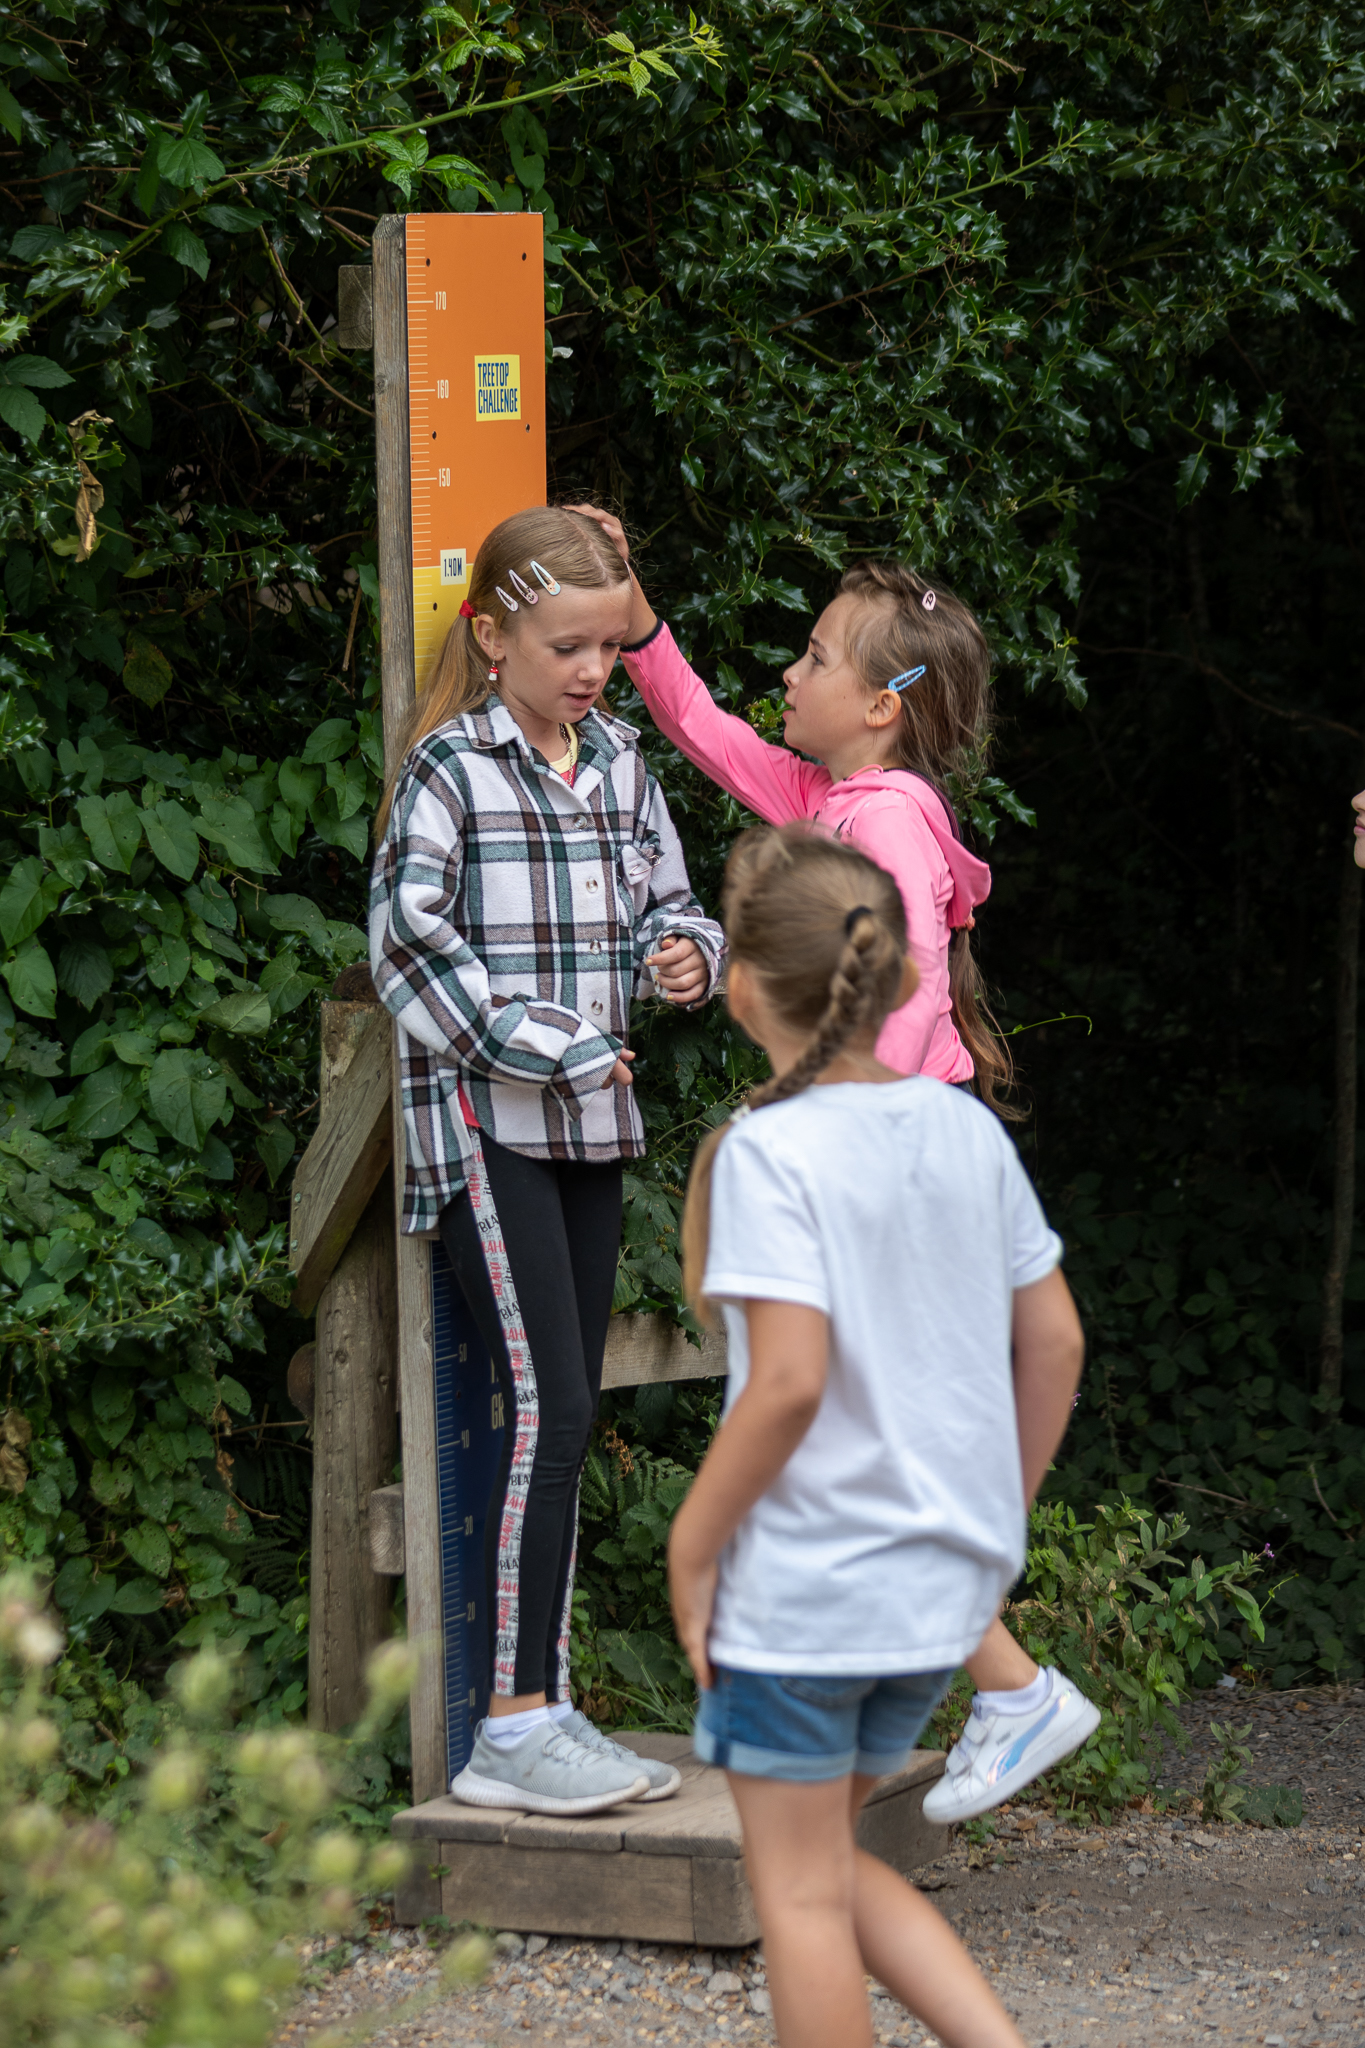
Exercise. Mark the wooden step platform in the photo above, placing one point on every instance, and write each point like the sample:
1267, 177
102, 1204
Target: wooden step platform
669, 1871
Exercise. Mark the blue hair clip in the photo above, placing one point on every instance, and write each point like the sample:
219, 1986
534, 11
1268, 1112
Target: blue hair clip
905, 679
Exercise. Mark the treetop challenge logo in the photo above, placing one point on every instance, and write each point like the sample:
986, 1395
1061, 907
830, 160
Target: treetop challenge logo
497, 387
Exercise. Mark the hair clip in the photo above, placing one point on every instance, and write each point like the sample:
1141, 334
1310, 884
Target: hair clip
929, 600
509, 604
523, 589
907, 676
745, 1109
545, 580
467, 610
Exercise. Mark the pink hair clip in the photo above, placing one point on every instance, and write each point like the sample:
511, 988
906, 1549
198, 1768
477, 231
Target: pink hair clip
929, 600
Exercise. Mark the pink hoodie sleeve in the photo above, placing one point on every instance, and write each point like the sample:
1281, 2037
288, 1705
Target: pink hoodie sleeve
772, 781
891, 830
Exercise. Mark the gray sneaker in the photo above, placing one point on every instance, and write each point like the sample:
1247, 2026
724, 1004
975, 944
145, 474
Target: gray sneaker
663, 1779
548, 1771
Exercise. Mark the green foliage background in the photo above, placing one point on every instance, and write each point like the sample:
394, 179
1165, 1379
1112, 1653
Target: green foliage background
1055, 301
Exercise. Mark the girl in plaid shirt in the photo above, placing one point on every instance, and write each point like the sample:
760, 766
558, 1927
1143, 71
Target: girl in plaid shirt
530, 881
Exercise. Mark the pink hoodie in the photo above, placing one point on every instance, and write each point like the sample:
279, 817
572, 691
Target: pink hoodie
895, 818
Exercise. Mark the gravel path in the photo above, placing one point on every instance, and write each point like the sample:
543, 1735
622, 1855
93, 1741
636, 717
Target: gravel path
1152, 1932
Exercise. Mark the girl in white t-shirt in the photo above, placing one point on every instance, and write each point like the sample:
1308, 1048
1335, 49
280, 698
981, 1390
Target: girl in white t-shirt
903, 1355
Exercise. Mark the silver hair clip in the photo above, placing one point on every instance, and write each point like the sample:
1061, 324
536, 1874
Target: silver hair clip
523, 589
545, 579
509, 604
929, 600
745, 1109
907, 676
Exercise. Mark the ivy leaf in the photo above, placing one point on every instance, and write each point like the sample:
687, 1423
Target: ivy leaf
84, 970
20, 409
32, 982
153, 1494
172, 837
276, 1145
146, 672
328, 742
187, 1094
245, 1012
167, 961
113, 826
186, 247
106, 1103
39, 371
231, 823
25, 900
136, 1596
186, 160
233, 220
299, 784
150, 1547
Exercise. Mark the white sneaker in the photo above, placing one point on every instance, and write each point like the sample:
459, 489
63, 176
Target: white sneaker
996, 1755
664, 1780
548, 1771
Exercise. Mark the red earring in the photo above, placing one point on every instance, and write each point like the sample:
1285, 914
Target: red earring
492, 671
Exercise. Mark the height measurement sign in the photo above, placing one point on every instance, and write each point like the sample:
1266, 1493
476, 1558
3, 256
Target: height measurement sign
476, 398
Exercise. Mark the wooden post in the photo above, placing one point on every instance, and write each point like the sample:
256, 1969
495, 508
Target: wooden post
354, 1424
374, 1286
421, 1515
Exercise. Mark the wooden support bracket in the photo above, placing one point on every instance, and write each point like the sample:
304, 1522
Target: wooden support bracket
344, 1164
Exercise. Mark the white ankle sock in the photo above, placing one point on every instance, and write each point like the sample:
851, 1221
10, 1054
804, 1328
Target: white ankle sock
1023, 1700
504, 1731
560, 1710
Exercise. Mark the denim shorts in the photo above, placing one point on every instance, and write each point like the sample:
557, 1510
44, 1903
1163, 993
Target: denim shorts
767, 1725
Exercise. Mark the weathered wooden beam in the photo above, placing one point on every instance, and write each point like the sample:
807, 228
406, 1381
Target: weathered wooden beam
355, 1443
387, 1550
354, 1426
355, 306
645, 1351
345, 1162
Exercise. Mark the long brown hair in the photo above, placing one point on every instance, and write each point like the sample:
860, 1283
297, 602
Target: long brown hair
944, 728
568, 547
823, 929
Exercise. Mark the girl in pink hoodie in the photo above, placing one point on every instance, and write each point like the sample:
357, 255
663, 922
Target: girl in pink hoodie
891, 695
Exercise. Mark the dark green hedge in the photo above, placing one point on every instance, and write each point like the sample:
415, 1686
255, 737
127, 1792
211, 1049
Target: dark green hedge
823, 282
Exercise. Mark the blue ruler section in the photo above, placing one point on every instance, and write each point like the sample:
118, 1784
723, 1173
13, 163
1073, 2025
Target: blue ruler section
469, 1436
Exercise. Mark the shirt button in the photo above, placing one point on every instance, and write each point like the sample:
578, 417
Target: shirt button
592, 885
597, 1009
583, 823
595, 946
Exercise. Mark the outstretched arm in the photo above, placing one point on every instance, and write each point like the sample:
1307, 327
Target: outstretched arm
772, 781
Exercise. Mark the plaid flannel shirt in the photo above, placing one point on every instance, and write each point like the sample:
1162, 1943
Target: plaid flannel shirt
510, 918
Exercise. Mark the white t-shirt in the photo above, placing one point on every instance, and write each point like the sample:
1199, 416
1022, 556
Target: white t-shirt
902, 1211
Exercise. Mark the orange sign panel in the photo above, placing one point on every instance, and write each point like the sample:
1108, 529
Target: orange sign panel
476, 398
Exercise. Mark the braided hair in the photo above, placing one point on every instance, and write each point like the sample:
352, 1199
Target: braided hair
823, 929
